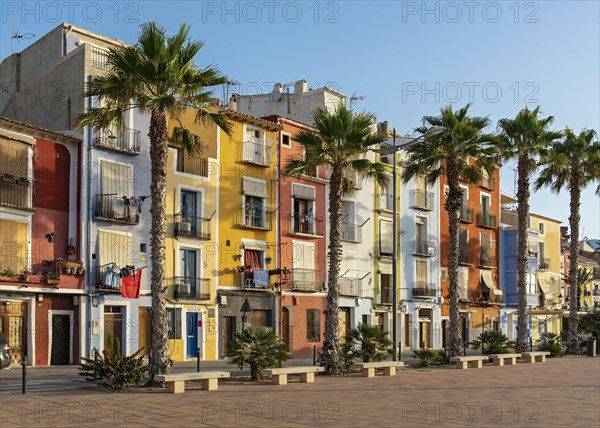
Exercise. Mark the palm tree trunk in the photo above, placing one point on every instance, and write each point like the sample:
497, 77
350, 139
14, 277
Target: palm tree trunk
452, 206
524, 169
574, 292
331, 349
158, 158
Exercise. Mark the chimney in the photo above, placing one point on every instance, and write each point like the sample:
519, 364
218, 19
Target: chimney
300, 87
383, 128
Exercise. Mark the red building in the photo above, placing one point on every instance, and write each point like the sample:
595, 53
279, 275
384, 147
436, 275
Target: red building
41, 277
302, 247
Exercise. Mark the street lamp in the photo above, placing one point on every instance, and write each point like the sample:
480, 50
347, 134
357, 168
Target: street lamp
245, 308
435, 130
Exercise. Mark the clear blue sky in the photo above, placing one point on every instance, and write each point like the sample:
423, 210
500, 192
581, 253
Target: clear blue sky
408, 58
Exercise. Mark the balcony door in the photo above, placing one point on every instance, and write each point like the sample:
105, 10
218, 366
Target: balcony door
189, 210
254, 150
348, 229
189, 270
303, 216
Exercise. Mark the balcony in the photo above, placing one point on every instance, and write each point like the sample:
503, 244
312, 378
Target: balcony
16, 192
466, 215
310, 172
387, 296
488, 183
544, 264
486, 220
191, 288
23, 271
98, 59
117, 209
424, 248
421, 200
532, 250
350, 287
306, 280
386, 201
491, 299
354, 179
487, 260
106, 280
305, 225
386, 248
256, 152
464, 257
254, 217
190, 164
191, 226
423, 289
126, 140
351, 232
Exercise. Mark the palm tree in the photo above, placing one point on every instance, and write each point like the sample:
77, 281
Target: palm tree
341, 140
462, 152
156, 76
370, 343
524, 138
584, 277
574, 163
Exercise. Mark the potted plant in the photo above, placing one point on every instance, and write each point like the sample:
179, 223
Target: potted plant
50, 237
52, 278
70, 250
24, 276
6, 275
23, 181
80, 270
9, 178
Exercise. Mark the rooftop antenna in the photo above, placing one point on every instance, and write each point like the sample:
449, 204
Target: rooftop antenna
226, 89
15, 35
356, 98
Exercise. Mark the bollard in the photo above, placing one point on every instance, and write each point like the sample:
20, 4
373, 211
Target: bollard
24, 378
314, 355
530, 344
400, 350
198, 361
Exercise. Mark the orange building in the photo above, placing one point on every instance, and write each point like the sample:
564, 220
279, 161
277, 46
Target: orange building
480, 297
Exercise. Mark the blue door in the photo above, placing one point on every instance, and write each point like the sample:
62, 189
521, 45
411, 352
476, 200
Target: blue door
192, 334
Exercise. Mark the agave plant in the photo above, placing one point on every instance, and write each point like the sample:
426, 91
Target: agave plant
258, 347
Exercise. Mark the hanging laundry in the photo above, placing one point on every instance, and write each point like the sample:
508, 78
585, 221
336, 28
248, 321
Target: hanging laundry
119, 208
261, 278
130, 288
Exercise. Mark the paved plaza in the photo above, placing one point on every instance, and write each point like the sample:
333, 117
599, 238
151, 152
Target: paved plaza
560, 392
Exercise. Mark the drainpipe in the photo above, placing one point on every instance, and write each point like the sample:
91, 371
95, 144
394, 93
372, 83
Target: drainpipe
88, 234
277, 294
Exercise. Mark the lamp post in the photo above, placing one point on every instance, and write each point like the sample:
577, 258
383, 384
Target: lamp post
395, 148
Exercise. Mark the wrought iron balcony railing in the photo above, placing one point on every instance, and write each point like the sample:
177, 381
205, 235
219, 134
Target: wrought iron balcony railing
351, 232
191, 288
306, 224
191, 226
420, 199
350, 286
423, 248
486, 220
306, 280
126, 140
254, 217
544, 264
467, 215
257, 152
386, 248
424, 289
387, 296
16, 192
117, 209
98, 59
386, 201
464, 257
190, 164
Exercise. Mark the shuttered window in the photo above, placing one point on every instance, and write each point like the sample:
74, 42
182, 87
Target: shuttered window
254, 187
174, 323
115, 248
14, 157
422, 273
420, 183
117, 179
13, 245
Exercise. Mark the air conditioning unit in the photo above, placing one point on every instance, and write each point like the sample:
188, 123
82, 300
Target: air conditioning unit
222, 299
185, 288
440, 300
430, 250
185, 227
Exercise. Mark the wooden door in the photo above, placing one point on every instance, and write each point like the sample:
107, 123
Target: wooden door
144, 330
113, 328
228, 330
344, 323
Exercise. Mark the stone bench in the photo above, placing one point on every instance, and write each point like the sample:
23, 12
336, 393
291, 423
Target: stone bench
176, 382
388, 367
307, 374
498, 359
475, 361
532, 357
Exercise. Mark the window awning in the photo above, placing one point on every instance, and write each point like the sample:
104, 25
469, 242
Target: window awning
545, 289
486, 279
385, 268
254, 187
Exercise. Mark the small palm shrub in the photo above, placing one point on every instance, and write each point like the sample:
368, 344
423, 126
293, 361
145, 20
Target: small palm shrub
551, 342
368, 342
590, 323
492, 342
426, 357
258, 347
113, 369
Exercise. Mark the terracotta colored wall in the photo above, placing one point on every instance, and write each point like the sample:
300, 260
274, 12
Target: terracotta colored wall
54, 302
297, 305
474, 202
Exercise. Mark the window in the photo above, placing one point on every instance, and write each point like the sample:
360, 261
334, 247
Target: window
117, 179
313, 325
115, 248
420, 183
387, 197
348, 226
303, 205
174, 323
485, 205
254, 211
386, 238
542, 251
285, 140
386, 288
13, 245
421, 268
421, 230
541, 227
255, 150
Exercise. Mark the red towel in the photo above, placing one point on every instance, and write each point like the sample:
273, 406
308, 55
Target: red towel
130, 285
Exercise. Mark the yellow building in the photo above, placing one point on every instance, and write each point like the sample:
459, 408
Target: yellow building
247, 226
547, 317
191, 269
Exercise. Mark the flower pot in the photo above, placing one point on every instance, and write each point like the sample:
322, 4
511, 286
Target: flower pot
70, 252
52, 281
24, 278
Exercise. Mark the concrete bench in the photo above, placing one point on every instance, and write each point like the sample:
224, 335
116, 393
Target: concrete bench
307, 374
475, 361
388, 367
498, 359
532, 357
176, 382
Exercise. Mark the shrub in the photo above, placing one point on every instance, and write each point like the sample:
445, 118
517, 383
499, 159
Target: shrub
551, 342
368, 342
113, 369
427, 357
492, 342
590, 323
259, 347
